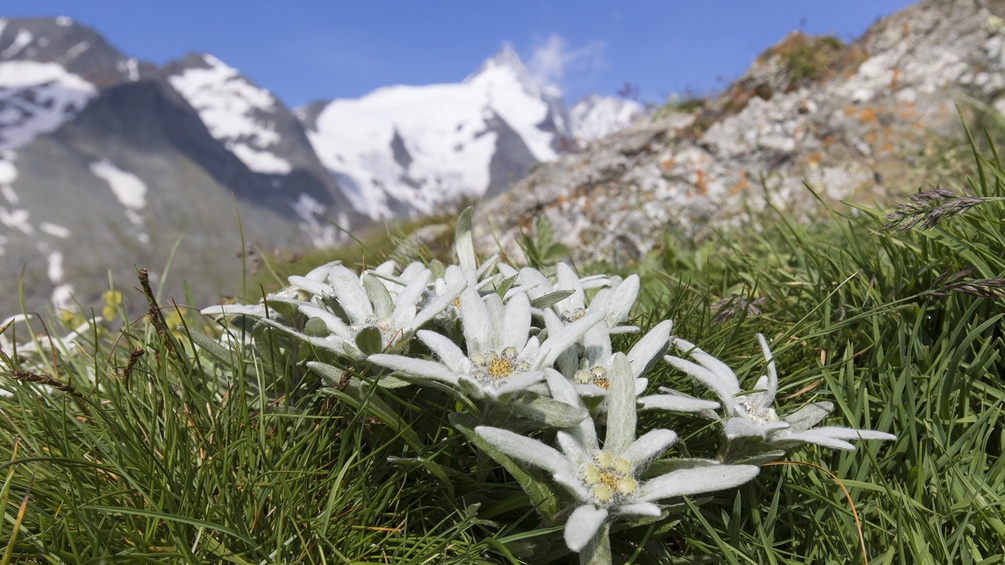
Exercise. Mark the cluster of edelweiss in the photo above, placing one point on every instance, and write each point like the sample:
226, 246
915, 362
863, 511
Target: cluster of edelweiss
507, 336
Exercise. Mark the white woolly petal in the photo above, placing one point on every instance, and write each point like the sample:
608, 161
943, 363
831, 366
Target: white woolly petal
639, 509
564, 338
563, 391
650, 445
254, 310
811, 436
437, 305
583, 525
772, 376
832, 437
725, 387
597, 343
851, 433
740, 426
516, 322
411, 367
515, 382
385, 269
650, 347
333, 322
696, 480
476, 322
574, 485
676, 403
446, 350
535, 282
321, 273
408, 299
351, 296
574, 451
619, 305
640, 386
561, 388
526, 449
311, 286
569, 280
809, 415
621, 416
506, 270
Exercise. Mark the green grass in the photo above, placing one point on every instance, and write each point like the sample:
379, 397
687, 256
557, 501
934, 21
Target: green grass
223, 455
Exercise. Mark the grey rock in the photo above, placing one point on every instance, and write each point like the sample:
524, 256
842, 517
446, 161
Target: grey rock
851, 121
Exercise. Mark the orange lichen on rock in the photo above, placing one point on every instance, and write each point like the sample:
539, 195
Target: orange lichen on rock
868, 115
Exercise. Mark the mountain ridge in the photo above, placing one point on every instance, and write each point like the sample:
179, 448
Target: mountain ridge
97, 149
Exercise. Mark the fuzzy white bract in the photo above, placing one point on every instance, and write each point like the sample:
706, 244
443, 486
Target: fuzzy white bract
500, 356
536, 350
752, 414
606, 480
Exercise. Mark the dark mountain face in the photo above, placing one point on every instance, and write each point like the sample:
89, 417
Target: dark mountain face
107, 163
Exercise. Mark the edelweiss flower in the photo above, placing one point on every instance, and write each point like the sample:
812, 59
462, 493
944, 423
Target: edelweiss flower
502, 356
607, 482
590, 370
615, 297
752, 414
342, 306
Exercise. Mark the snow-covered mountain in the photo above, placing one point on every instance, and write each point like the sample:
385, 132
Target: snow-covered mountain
106, 161
409, 149
596, 117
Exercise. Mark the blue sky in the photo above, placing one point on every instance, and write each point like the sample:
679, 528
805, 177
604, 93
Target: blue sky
304, 50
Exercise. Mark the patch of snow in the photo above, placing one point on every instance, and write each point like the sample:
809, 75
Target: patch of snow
306, 207
74, 52
321, 234
8, 174
9, 195
134, 69
54, 230
22, 39
595, 117
64, 21
55, 270
127, 187
260, 161
37, 98
17, 219
231, 108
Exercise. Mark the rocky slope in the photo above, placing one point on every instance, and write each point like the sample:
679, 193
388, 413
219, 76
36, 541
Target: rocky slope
851, 121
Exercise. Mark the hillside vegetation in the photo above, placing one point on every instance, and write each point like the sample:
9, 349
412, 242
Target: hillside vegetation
155, 443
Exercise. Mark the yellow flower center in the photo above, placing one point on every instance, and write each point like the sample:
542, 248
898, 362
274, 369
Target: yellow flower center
492, 367
609, 478
499, 367
596, 376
